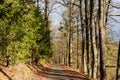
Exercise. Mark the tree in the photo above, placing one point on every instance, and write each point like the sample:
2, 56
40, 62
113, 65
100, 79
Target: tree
87, 35
83, 37
23, 32
93, 40
118, 64
102, 40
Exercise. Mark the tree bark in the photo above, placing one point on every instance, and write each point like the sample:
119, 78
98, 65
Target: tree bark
93, 42
77, 44
37, 2
83, 38
46, 13
70, 34
87, 35
118, 65
97, 42
102, 41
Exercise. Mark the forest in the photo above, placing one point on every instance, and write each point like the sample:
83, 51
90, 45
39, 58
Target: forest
59, 40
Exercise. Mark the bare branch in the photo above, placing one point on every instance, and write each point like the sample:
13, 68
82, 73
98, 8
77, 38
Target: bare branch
113, 30
118, 7
63, 4
114, 19
114, 15
76, 5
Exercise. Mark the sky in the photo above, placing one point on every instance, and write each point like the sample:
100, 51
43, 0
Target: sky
115, 26
56, 15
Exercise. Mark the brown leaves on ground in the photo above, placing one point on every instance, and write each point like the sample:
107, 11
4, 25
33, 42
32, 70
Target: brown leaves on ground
40, 72
74, 75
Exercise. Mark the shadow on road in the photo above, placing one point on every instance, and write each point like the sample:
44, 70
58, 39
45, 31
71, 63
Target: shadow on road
57, 73
5, 74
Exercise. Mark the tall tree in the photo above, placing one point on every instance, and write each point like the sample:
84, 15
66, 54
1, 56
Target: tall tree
118, 64
93, 40
70, 34
77, 42
102, 40
83, 37
87, 35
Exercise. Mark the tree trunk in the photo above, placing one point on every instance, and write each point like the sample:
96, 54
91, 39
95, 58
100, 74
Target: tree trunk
93, 42
37, 2
97, 42
77, 44
83, 64
118, 65
102, 41
46, 13
7, 61
87, 35
70, 34
69, 48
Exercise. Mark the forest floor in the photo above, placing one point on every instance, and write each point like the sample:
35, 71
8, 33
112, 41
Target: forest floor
40, 72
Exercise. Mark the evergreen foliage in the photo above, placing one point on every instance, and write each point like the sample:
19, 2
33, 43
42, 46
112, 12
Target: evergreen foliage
22, 32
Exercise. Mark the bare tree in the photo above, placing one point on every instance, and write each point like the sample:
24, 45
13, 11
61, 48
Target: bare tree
87, 35
77, 43
93, 41
102, 40
83, 60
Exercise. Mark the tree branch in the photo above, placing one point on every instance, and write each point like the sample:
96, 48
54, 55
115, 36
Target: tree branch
115, 20
114, 15
118, 7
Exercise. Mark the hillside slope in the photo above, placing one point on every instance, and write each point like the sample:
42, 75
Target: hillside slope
41, 72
